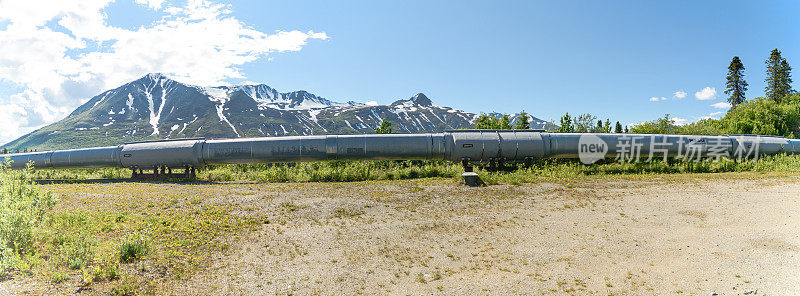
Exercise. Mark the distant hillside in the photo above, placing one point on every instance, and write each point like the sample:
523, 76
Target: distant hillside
156, 107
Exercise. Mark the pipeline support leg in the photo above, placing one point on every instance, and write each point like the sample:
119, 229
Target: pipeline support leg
465, 164
471, 178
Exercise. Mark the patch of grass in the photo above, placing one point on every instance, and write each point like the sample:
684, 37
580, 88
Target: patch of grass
133, 250
537, 170
59, 277
290, 206
109, 269
346, 212
22, 208
332, 171
98, 229
421, 278
126, 287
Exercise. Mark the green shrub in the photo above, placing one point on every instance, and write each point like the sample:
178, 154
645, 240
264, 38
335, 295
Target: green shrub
763, 117
332, 171
22, 209
133, 250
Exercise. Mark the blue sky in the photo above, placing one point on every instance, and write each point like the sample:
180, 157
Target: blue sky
608, 58
604, 57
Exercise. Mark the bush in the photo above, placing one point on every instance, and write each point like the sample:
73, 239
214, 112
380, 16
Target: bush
22, 209
764, 117
133, 250
332, 171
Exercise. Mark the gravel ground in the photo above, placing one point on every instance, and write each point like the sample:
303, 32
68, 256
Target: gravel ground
680, 235
656, 237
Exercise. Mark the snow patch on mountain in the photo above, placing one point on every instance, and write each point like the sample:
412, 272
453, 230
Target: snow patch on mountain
220, 97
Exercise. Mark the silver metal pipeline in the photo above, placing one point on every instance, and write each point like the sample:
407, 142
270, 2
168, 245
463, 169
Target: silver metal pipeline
459, 145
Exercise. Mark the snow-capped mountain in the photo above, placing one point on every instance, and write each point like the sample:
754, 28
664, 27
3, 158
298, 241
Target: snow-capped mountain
157, 107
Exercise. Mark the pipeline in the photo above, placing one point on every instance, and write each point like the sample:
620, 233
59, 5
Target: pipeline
466, 146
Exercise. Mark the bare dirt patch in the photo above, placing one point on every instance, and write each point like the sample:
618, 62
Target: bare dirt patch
728, 234
688, 236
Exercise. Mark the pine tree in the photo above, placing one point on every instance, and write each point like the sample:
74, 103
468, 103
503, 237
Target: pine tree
505, 122
523, 121
618, 128
483, 122
787, 76
627, 130
384, 128
736, 85
607, 126
779, 77
566, 125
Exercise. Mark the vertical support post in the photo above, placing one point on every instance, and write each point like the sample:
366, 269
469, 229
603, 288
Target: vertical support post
465, 164
471, 178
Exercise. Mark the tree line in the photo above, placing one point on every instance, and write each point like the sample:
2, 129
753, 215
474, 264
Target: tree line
484, 121
5, 151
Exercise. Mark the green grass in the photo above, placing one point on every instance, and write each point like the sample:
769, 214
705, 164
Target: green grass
133, 250
351, 171
340, 171
23, 209
96, 234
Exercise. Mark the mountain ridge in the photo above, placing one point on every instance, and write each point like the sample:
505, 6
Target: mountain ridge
158, 107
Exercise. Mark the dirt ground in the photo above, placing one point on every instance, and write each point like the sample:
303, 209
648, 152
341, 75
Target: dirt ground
678, 235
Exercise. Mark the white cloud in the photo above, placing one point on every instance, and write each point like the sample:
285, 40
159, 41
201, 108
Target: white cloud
680, 94
715, 114
708, 93
721, 105
656, 99
371, 103
58, 67
154, 4
680, 121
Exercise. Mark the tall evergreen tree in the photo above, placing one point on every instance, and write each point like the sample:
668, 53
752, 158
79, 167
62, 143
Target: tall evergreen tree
523, 121
787, 76
779, 77
618, 128
384, 128
607, 126
736, 85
